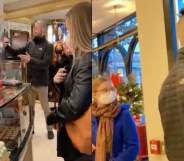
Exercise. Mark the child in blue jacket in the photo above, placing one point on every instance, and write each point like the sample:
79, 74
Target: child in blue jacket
113, 130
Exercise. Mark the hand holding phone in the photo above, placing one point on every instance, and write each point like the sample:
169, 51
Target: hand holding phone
60, 76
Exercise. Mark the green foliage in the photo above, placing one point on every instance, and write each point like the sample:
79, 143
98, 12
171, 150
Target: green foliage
131, 93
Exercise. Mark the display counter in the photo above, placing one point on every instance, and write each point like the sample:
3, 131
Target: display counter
16, 123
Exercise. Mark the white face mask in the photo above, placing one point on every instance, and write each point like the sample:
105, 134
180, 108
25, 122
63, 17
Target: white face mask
106, 98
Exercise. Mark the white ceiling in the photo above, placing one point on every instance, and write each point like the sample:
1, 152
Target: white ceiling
59, 14
104, 15
11, 5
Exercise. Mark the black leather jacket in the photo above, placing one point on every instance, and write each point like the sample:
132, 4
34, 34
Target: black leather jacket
76, 100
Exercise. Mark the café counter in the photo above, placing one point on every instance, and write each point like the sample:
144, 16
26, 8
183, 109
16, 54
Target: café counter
16, 122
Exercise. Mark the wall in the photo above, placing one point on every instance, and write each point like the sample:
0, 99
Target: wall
155, 65
7, 25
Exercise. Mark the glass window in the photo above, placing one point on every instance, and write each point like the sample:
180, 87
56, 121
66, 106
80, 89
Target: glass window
125, 26
125, 43
115, 63
120, 29
136, 65
179, 6
95, 61
50, 34
94, 43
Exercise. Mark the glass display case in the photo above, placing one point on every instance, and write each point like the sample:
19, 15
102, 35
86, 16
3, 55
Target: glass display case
13, 70
15, 112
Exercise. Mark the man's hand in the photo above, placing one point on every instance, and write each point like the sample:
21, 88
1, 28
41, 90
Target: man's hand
60, 76
25, 58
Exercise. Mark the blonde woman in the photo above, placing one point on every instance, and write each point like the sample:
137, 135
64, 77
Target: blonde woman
171, 103
77, 83
113, 130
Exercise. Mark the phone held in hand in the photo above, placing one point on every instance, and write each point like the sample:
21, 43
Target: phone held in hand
67, 68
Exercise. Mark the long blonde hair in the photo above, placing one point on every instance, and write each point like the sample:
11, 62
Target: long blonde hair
79, 20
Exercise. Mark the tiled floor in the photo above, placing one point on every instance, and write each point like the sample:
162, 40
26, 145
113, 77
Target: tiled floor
43, 149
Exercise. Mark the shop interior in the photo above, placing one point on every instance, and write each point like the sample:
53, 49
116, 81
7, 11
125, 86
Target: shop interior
16, 19
120, 50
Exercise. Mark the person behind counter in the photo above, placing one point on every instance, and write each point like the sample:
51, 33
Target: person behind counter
77, 85
37, 55
4, 54
113, 130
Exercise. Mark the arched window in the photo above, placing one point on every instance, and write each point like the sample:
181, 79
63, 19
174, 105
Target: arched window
124, 45
95, 64
115, 63
136, 65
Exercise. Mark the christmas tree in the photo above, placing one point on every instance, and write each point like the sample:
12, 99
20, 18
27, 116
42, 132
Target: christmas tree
129, 92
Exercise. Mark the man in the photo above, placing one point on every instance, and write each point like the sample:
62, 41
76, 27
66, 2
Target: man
4, 54
37, 55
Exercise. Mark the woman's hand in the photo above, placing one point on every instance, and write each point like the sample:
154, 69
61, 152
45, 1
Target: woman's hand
60, 76
93, 148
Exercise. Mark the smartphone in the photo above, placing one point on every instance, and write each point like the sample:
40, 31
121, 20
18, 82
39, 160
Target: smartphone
67, 68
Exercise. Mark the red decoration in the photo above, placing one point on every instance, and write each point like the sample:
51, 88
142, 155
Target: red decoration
116, 79
141, 132
155, 147
143, 150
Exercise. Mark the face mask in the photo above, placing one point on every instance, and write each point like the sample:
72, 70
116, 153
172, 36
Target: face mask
38, 39
107, 98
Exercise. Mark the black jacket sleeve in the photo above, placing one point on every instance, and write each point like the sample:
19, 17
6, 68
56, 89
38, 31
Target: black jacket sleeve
80, 97
46, 58
16, 52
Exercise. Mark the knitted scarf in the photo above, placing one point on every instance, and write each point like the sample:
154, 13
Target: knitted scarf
104, 140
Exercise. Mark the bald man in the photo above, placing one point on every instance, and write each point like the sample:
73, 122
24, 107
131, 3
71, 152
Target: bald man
37, 55
4, 55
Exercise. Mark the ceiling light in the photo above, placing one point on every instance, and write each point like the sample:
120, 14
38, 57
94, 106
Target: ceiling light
121, 10
114, 3
96, 22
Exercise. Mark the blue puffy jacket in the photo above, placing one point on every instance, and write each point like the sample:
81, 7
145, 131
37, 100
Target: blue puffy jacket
125, 139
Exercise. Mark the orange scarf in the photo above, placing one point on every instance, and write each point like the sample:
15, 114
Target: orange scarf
104, 140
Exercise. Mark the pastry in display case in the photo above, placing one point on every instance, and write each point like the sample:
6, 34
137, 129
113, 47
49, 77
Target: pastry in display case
15, 112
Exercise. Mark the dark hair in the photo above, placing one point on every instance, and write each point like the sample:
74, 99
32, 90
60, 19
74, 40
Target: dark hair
182, 12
